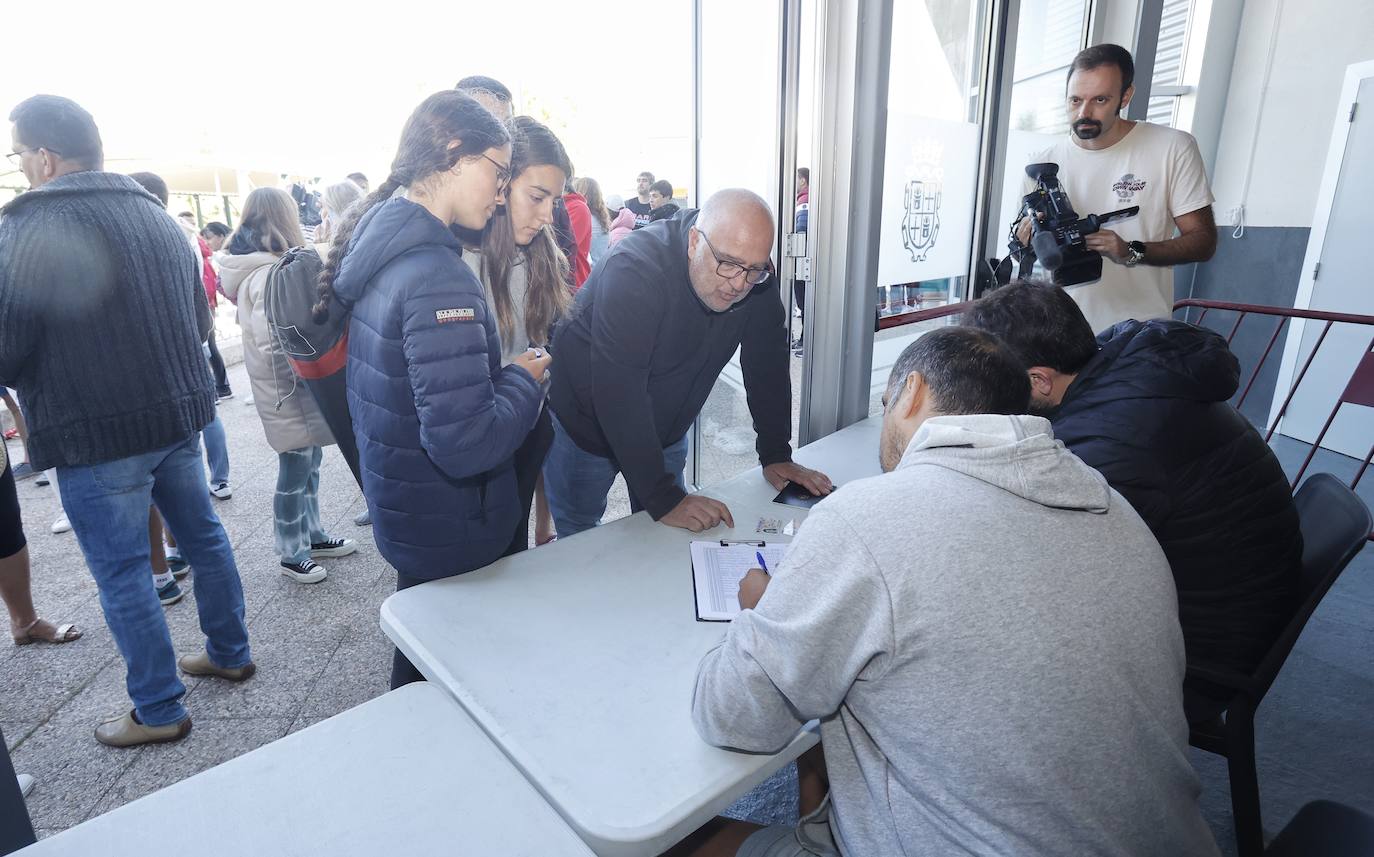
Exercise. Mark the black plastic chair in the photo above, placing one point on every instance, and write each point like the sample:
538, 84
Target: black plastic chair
1335, 525
1325, 829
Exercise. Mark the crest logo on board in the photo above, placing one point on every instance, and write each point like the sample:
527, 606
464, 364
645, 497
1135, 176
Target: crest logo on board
921, 201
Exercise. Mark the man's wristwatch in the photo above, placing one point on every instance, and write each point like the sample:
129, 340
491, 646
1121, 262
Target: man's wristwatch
1136, 254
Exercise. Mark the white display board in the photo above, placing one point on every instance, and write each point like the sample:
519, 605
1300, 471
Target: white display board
928, 197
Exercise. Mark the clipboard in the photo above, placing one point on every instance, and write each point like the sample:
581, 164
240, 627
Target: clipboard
717, 568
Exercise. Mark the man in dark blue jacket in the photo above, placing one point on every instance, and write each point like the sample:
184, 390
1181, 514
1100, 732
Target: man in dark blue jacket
102, 315
655, 323
1146, 403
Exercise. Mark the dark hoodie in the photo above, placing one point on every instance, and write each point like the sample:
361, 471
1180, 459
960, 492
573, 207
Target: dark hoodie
1150, 412
102, 316
436, 417
640, 352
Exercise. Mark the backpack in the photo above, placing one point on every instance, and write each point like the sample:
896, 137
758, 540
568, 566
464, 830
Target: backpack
316, 351
313, 350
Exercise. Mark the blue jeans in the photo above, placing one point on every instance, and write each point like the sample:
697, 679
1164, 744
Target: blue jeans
297, 503
108, 507
576, 482
216, 451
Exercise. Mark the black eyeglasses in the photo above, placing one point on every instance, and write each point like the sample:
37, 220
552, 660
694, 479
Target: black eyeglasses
502, 172
729, 270
16, 157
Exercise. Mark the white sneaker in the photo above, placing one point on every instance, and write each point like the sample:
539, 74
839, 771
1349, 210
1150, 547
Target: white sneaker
25, 784
221, 491
333, 547
61, 525
308, 571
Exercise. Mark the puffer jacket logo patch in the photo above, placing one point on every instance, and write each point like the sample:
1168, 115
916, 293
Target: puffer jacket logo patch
444, 316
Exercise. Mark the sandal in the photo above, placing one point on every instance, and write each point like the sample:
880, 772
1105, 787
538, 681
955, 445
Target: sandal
66, 633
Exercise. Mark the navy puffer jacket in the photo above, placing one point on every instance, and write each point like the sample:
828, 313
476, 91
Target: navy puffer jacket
436, 418
1150, 412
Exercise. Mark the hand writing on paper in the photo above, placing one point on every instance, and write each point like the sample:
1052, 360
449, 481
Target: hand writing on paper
696, 513
751, 588
778, 475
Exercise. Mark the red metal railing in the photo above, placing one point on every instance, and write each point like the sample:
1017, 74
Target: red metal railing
1359, 389
902, 319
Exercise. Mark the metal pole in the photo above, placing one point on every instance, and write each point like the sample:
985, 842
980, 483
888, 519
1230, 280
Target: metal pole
1146, 46
851, 148
695, 479
789, 80
995, 117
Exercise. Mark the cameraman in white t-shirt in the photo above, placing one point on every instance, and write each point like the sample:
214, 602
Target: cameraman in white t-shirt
1107, 163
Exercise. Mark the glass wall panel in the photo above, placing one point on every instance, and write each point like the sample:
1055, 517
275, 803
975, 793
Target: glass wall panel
1049, 33
1170, 57
931, 170
738, 147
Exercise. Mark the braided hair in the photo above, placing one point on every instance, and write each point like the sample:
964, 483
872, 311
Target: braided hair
424, 151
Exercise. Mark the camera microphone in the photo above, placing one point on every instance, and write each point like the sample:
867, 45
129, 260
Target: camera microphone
1047, 250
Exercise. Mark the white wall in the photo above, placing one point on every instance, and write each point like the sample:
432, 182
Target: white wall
1314, 42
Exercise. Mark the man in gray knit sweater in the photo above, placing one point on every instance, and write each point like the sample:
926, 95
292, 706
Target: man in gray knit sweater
102, 315
987, 633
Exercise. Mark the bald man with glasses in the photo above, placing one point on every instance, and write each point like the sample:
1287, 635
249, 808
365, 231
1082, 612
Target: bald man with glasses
641, 350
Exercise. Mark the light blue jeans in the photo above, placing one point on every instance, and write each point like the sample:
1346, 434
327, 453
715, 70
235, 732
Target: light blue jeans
216, 451
108, 507
576, 482
296, 505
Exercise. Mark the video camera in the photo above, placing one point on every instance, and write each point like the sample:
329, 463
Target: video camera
1057, 239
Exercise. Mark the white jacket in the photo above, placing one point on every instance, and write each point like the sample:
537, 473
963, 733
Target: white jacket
290, 417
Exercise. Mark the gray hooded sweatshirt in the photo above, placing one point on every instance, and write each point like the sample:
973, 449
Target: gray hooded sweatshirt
989, 636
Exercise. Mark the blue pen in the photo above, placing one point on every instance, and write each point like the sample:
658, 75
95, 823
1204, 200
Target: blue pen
763, 565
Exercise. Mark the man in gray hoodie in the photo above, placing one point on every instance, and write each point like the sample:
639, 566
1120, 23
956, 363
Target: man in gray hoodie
988, 634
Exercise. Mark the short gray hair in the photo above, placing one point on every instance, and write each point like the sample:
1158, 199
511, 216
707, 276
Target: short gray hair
338, 198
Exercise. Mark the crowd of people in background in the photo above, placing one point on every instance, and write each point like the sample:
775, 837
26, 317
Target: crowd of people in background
516, 338
530, 241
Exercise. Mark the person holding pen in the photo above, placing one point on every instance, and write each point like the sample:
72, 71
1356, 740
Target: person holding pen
660, 316
976, 695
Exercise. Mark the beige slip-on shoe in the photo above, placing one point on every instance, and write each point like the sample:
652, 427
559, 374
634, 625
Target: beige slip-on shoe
126, 731
200, 664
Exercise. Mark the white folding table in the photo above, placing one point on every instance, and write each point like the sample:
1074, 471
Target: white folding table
405, 773
579, 660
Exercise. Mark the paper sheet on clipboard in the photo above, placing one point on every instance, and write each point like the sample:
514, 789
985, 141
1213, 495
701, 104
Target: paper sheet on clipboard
717, 570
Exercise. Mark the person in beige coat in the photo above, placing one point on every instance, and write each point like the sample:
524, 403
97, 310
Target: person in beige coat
291, 420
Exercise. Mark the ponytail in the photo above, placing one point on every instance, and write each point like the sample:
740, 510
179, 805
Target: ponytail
338, 246
425, 150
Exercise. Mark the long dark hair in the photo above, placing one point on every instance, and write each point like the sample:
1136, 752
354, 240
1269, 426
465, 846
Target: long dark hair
424, 150
546, 297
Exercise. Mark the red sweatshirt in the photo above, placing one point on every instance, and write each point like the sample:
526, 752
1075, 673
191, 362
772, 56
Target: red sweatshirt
207, 272
581, 218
